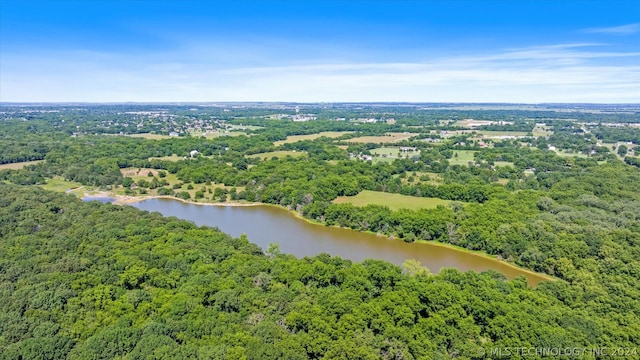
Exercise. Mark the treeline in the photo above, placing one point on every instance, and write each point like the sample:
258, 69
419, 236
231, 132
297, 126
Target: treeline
517, 125
615, 134
632, 160
26, 141
90, 280
97, 160
515, 226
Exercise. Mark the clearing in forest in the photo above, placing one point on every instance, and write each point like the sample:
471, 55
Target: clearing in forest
487, 134
386, 138
389, 154
462, 157
18, 165
138, 172
173, 157
393, 201
280, 154
563, 153
213, 135
60, 185
296, 138
149, 136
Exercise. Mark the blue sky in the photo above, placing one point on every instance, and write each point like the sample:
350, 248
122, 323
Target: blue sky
320, 51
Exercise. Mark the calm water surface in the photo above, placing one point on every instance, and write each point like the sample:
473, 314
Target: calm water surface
102, 199
267, 224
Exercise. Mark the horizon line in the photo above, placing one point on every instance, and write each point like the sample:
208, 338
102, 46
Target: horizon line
303, 102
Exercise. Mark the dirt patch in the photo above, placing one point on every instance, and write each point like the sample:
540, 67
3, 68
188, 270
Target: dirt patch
19, 165
138, 172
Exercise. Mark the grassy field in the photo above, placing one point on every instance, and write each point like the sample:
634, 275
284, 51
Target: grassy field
280, 153
150, 136
232, 127
296, 138
387, 138
214, 135
138, 173
542, 131
498, 134
566, 154
503, 163
393, 152
393, 201
632, 148
60, 185
18, 165
388, 154
470, 123
173, 157
611, 146
448, 134
380, 159
386, 151
434, 178
141, 174
463, 158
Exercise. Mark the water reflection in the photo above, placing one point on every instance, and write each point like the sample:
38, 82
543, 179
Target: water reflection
267, 224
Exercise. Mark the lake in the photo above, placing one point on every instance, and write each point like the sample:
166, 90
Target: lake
267, 224
102, 199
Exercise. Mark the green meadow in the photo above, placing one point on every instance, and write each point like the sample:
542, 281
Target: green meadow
393, 201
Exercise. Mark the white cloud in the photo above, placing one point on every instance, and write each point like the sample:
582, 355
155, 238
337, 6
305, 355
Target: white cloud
555, 73
628, 29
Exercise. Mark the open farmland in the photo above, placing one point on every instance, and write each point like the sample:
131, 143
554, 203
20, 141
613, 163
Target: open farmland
386, 138
296, 138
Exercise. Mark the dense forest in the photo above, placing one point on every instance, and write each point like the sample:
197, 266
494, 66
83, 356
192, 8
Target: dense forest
90, 280
551, 191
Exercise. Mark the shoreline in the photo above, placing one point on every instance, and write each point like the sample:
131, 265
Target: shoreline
128, 199
544, 276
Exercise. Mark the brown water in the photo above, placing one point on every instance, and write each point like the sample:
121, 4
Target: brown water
267, 224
